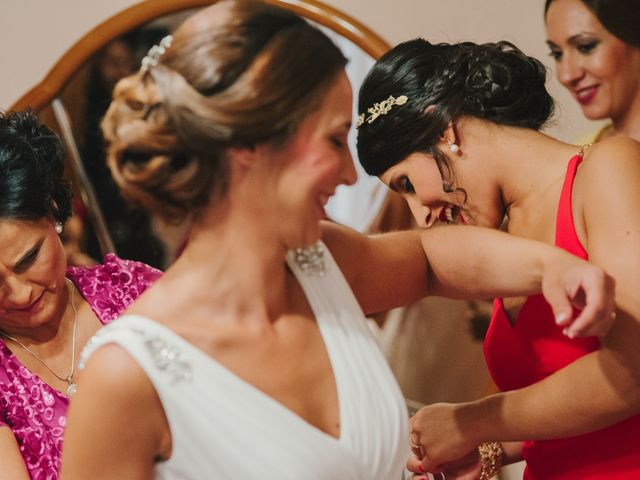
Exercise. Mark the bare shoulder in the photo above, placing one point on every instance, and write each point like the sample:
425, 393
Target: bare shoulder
607, 189
111, 374
113, 383
129, 410
610, 159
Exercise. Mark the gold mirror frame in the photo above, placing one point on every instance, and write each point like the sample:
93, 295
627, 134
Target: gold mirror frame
133, 17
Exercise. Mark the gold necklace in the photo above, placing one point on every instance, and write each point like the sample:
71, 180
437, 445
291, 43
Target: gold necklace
71, 387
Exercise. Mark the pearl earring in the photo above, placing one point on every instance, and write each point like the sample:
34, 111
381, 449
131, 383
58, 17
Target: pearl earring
454, 148
58, 228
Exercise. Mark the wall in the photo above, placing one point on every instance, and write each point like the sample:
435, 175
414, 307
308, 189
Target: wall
35, 33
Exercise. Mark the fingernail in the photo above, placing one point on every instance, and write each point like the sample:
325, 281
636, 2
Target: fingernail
421, 468
569, 333
561, 318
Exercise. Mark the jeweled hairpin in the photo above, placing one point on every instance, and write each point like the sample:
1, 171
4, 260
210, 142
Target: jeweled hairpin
155, 52
381, 108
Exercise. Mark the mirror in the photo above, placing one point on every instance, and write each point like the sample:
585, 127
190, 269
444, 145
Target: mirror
74, 96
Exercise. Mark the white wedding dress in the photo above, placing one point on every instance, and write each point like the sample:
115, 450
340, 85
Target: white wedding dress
223, 428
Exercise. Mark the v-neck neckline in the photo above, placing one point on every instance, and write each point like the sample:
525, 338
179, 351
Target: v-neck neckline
248, 386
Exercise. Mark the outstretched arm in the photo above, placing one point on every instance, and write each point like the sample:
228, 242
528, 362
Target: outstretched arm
599, 389
393, 269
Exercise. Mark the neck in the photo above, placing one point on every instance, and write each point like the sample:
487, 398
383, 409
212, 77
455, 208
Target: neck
524, 165
628, 124
234, 264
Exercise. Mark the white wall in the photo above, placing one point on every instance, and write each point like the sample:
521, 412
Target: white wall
35, 33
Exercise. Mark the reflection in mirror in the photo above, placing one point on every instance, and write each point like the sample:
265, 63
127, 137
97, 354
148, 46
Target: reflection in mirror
133, 233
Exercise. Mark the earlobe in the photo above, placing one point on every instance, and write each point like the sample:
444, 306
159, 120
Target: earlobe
449, 138
242, 157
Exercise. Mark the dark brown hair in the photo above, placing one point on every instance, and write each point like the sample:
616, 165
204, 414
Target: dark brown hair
620, 17
31, 170
238, 74
443, 82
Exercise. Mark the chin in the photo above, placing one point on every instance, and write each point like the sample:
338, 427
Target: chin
594, 112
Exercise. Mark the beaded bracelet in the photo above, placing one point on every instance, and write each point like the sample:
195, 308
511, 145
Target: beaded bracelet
490, 458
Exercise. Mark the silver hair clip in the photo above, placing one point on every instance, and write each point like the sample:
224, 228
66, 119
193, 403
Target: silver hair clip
154, 54
381, 108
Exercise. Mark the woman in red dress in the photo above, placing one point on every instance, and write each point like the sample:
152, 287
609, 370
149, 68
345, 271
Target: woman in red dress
455, 130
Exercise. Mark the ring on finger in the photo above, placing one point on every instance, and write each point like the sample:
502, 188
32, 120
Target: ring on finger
418, 450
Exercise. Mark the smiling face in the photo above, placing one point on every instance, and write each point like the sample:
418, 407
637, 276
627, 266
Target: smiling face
32, 272
601, 71
474, 200
420, 183
313, 163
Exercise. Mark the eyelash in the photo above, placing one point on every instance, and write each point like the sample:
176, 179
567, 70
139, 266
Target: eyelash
337, 142
555, 54
28, 261
587, 48
584, 49
405, 185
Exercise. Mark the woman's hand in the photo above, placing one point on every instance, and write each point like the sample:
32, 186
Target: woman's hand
466, 468
569, 283
439, 444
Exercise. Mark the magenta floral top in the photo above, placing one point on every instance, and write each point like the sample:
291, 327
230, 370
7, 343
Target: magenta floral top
36, 412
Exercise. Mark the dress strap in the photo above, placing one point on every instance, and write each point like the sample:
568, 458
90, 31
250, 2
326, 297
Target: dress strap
566, 236
583, 149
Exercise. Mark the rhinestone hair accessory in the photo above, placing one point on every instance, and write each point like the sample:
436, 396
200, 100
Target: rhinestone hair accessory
154, 54
381, 108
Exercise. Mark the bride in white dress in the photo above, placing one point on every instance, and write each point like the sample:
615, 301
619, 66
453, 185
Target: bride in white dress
250, 357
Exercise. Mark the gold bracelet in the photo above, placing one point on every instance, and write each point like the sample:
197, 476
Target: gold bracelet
490, 458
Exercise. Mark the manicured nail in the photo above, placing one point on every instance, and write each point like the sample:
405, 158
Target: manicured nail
561, 318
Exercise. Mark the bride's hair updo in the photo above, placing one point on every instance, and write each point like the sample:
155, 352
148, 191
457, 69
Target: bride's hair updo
237, 74
443, 82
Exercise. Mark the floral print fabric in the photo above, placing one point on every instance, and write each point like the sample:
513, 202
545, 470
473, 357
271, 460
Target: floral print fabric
36, 412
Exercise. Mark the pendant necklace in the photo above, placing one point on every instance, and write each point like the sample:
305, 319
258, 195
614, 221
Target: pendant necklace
71, 386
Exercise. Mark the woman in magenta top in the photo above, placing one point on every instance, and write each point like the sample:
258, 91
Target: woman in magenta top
455, 129
47, 311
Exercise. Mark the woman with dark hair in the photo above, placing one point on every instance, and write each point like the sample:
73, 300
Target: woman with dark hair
455, 130
256, 336
47, 310
596, 46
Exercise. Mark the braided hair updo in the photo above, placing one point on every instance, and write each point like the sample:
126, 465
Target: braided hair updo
237, 74
443, 82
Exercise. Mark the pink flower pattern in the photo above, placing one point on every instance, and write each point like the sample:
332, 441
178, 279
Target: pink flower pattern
36, 412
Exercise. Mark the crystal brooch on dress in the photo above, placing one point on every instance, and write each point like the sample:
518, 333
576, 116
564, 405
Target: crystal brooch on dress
169, 360
311, 260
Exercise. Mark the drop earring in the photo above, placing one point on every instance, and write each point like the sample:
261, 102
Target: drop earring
58, 228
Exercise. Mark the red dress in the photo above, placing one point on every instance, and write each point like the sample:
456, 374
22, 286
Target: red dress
535, 347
